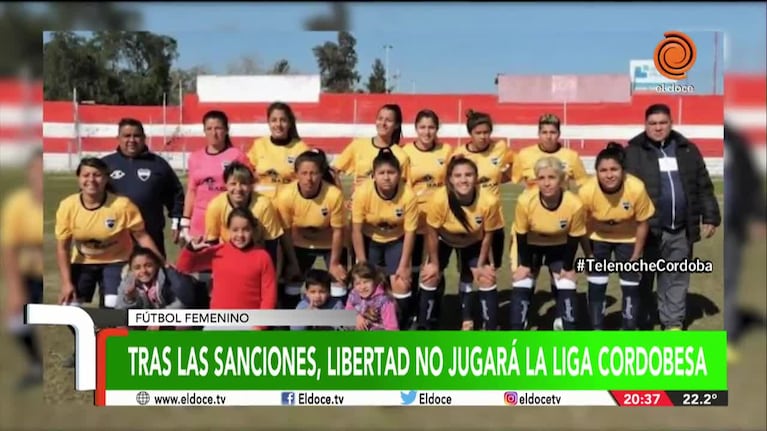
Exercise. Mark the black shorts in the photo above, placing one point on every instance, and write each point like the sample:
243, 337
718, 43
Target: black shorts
468, 258
386, 255
307, 257
86, 276
272, 246
551, 256
622, 251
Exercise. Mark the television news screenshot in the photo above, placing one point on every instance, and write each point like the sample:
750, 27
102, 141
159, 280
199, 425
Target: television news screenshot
352, 223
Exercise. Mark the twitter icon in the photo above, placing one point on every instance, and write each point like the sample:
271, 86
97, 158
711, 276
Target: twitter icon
408, 397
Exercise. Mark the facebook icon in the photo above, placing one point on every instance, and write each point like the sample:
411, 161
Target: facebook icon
288, 398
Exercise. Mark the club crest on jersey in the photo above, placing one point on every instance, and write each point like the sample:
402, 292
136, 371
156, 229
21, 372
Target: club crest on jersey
478, 219
324, 212
291, 160
495, 160
117, 174
626, 205
143, 174
562, 224
109, 223
398, 212
441, 161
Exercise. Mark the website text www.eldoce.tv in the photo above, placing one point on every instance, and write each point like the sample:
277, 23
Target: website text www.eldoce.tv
190, 399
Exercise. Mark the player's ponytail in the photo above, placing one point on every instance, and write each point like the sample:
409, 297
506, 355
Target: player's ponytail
320, 160
613, 151
474, 119
396, 135
386, 157
452, 198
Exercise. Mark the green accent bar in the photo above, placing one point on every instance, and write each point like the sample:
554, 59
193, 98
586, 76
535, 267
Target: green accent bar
313, 360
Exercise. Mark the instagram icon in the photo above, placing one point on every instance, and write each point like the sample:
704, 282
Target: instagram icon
510, 398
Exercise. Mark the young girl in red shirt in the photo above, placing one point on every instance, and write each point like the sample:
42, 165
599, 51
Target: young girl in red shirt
244, 273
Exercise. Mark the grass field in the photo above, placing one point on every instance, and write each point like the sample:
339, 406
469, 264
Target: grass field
74, 409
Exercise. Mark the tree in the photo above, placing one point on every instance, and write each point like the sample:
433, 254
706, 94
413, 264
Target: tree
245, 65
114, 67
337, 62
377, 79
23, 25
281, 67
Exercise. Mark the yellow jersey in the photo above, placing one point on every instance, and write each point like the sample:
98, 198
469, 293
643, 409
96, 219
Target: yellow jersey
357, 159
547, 227
483, 215
616, 214
21, 224
274, 163
492, 163
99, 235
427, 173
384, 220
218, 212
524, 165
313, 218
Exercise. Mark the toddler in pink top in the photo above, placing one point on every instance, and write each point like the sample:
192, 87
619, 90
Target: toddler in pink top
371, 298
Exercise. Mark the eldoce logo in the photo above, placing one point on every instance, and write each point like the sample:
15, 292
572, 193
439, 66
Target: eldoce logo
675, 55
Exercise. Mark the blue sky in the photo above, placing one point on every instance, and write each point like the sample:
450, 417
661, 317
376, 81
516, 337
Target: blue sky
461, 47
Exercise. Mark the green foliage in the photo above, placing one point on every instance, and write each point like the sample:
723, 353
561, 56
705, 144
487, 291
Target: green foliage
110, 67
377, 79
22, 26
337, 62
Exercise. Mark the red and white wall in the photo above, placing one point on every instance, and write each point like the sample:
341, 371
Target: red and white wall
337, 118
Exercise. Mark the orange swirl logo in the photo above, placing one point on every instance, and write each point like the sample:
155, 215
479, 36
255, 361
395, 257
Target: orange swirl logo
675, 55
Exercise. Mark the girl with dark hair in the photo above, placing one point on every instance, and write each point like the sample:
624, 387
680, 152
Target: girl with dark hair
95, 232
273, 156
494, 160
384, 221
147, 284
428, 158
357, 158
312, 211
244, 273
461, 217
204, 169
617, 212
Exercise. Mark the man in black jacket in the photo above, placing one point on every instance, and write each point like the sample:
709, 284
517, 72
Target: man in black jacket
147, 179
680, 187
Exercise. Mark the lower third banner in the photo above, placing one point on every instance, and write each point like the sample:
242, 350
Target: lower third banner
416, 398
250, 366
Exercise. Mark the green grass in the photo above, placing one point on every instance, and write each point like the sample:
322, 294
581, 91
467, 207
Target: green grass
73, 409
